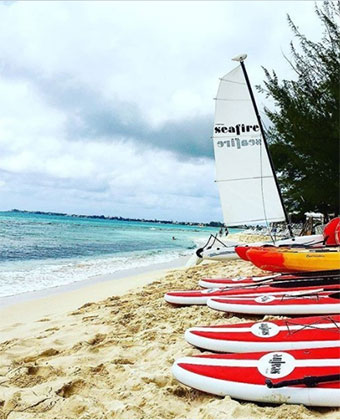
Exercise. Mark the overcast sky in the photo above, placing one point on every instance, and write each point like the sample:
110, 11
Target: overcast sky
107, 107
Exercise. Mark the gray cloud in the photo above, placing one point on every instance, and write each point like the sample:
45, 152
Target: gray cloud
90, 115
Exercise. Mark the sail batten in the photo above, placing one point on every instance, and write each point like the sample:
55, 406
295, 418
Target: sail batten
241, 179
223, 99
245, 178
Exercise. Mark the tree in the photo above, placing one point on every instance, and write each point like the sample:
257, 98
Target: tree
304, 133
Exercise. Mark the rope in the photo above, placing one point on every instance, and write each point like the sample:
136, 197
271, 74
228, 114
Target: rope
309, 381
311, 325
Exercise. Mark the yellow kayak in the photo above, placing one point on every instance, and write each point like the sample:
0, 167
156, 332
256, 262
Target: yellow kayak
282, 260
304, 260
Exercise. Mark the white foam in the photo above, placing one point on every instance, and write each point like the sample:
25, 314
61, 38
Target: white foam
29, 276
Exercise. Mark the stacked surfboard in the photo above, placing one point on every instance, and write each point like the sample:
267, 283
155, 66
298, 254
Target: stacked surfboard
292, 360
278, 295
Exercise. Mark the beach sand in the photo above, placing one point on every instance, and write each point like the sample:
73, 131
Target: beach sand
112, 358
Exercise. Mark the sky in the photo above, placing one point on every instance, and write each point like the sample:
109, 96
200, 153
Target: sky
107, 107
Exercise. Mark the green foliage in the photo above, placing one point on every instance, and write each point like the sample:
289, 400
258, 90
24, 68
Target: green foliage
304, 134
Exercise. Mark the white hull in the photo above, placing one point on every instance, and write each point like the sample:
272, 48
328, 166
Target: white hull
223, 346
223, 341
203, 298
228, 252
260, 393
311, 309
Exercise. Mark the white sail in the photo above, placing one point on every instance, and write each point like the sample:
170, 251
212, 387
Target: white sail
246, 183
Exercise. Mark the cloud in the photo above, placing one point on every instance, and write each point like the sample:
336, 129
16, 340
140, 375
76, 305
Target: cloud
41, 169
107, 106
88, 114
110, 179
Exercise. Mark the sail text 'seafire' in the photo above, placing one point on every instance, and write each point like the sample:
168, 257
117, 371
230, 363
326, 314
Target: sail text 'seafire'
238, 143
237, 129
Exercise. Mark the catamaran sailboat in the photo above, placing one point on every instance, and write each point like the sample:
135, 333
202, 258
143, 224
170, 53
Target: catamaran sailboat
246, 179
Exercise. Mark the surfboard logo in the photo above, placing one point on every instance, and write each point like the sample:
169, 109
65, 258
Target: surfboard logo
276, 364
264, 299
265, 329
239, 278
207, 291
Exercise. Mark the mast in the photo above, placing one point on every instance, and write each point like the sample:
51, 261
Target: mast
240, 59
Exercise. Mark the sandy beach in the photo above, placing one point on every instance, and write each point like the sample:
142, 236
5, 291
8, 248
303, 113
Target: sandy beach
80, 355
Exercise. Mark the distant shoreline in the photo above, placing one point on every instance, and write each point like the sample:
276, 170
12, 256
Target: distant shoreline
121, 219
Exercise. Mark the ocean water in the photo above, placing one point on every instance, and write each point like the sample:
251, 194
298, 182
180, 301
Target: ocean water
42, 251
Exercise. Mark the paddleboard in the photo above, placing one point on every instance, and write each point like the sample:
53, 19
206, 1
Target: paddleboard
270, 279
200, 297
273, 377
285, 334
325, 302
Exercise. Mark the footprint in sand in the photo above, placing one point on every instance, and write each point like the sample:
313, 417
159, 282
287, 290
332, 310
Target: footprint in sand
46, 353
98, 338
71, 388
89, 318
31, 375
52, 329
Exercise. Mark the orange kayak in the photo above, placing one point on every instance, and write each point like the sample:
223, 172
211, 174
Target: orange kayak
294, 260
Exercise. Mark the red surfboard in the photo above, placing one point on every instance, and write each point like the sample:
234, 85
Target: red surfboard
284, 334
200, 297
270, 279
326, 302
309, 376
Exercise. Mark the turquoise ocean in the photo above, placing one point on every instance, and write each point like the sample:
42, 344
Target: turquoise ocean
42, 251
